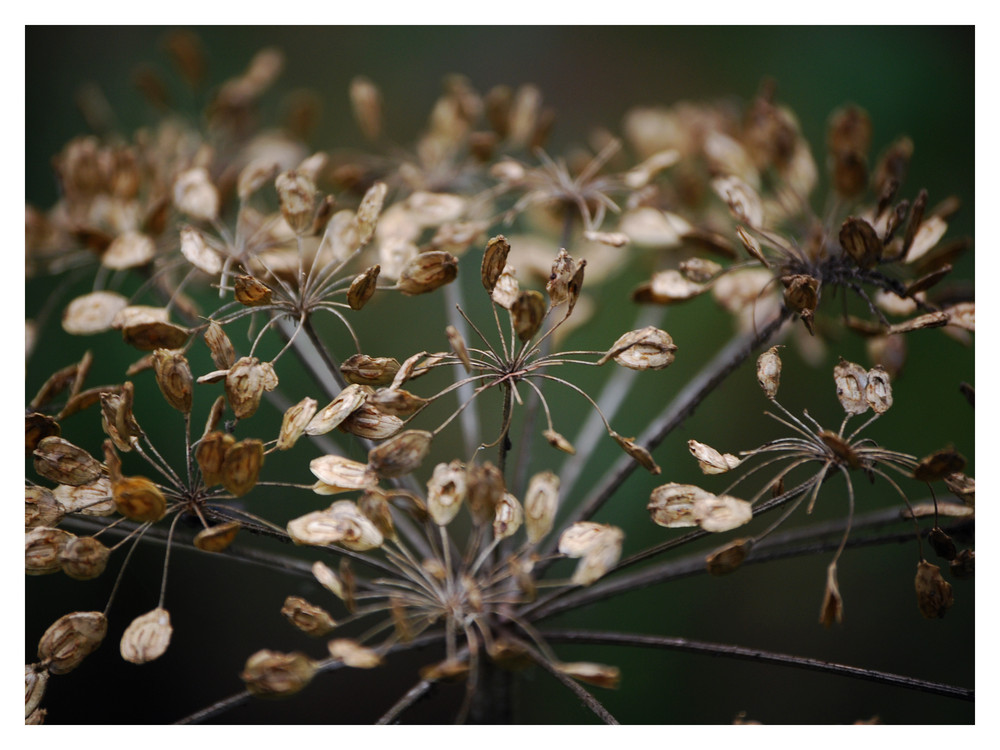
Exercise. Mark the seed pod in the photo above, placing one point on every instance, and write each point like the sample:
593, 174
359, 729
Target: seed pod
308, 618
340, 474
375, 505
135, 315
92, 499
331, 415
494, 262
458, 346
541, 502
35, 679
964, 564
210, 455
832, 609
297, 195
446, 490
254, 176
251, 292
400, 454
728, 557
61, 461
860, 241
506, 289
241, 466
70, 639
129, 250
246, 382
147, 637
721, 513
769, 372
198, 253
942, 544
360, 369
574, 287
42, 547
559, 442
138, 499
563, 269
368, 422
963, 486
598, 545
672, 505
294, 422
220, 346
647, 348
508, 517
934, 596
83, 558
602, 675
363, 287
802, 296
353, 654
328, 579
41, 508
37, 427
427, 271
852, 383
666, 288
878, 392
449, 670
173, 375
92, 313
366, 104
528, 313
156, 335
928, 320
367, 215
195, 195
710, 461
272, 674
939, 465
752, 246
341, 523
217, 538
743, 201
642, 456
486, 489
396, 401
699, 270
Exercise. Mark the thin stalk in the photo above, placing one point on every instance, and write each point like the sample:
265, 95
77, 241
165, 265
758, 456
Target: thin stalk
584, 695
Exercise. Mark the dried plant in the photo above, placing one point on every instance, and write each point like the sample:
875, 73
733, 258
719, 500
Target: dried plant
213, 249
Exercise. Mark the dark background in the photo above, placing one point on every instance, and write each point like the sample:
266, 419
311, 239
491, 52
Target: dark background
914, 81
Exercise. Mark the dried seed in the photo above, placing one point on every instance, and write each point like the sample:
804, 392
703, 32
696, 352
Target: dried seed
294, 422
486, 489
840, 447
70, 639
220, 346
272, 674
129, 250
156, 335
368, 422
528, 313
36, 678
363, 287
559, 442
173, 375
638, 452
308, 618
508, 517
400, 454
928, 320
963, 486
602, 675
38, 427
138, 499
647, 348
147, 637
41, 508
93, 499
458, 346
331, 415
328, 579
375, 505
61, 461
211, 454
728, 557
367, 216
699, 270
802, 296
83, 558
563, 269
942, 544
769, 372
246, 382
340, 474
134, 315
446, 490
360, 369
852, 384
832, 609
396, 401
341, 523
198, 253
860, 241
964, 564
251, 292
541, 501
878, 392
353, 654
255, 175
667, 287
598, 545
934, 596
672, 505
42, 547
427, 271
494, 262
710, 461
92, 313
217, 538
297, 195
366, 104
241, 466
506, 290
939, 465
743, 201
721, 513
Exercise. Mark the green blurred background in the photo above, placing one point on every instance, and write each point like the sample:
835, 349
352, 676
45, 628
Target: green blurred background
913, 81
